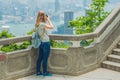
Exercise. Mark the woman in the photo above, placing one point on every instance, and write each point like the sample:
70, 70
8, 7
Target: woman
44, 49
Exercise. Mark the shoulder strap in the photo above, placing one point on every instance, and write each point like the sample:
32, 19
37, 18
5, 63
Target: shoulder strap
41, 34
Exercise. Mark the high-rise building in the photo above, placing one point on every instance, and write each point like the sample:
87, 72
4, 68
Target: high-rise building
57, 5
56, 14
32, 7
68, 16
84, 3
0, 15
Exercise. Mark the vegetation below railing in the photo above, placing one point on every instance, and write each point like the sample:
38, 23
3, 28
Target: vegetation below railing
86, 42
55, 44
23, 45
58, 44
13, 46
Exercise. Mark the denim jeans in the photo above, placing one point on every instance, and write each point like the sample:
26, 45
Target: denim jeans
44, 51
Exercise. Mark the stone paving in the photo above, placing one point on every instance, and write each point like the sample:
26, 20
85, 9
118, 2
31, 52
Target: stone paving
98, 74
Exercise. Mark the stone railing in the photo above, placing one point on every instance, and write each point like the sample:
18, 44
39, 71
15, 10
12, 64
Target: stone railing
75, 60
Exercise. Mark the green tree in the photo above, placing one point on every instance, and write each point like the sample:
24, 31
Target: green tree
94, 16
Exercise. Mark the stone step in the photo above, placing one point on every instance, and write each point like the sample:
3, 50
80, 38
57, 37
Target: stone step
114, 58
118, 45
116, 51
111, 65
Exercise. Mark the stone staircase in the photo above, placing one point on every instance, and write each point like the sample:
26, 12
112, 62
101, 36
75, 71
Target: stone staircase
113, 60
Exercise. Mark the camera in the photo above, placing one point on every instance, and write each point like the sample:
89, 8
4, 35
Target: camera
46, 15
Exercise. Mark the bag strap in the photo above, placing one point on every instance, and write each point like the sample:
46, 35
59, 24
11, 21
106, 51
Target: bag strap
41, 34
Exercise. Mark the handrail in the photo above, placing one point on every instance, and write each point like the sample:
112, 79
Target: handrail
73, 37
15, 39
101, 28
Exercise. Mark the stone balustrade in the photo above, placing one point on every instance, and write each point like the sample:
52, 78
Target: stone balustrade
75, 60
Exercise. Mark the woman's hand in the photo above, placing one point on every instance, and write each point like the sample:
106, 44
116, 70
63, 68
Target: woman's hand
50, 25
48, 19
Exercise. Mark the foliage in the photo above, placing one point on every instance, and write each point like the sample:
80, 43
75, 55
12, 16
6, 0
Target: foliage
5, 34
58, 44
86, 42
94, 16
30, 32
13, 46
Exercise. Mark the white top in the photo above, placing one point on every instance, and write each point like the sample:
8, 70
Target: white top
41, 29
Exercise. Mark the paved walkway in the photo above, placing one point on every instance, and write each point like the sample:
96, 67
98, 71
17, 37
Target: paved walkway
98, 74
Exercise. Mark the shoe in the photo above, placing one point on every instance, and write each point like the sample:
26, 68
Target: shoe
47, 74
38, 73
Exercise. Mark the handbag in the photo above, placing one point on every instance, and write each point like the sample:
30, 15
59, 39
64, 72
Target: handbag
36, 39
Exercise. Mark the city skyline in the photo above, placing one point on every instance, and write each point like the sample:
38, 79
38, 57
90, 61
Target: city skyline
25, 11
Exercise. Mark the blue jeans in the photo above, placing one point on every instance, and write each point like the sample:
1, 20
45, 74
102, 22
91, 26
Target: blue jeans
44, 51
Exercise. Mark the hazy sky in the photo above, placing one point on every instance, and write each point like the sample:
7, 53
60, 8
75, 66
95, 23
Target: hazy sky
46, 0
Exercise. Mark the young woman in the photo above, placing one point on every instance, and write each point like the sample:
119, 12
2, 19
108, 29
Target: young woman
43, 23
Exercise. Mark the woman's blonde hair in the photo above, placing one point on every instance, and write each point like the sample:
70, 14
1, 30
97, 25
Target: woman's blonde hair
41, 17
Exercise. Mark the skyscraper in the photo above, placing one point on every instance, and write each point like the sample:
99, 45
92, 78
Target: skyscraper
56, 15
0, 15
84, 3
32, 7
68, 16
57, 5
